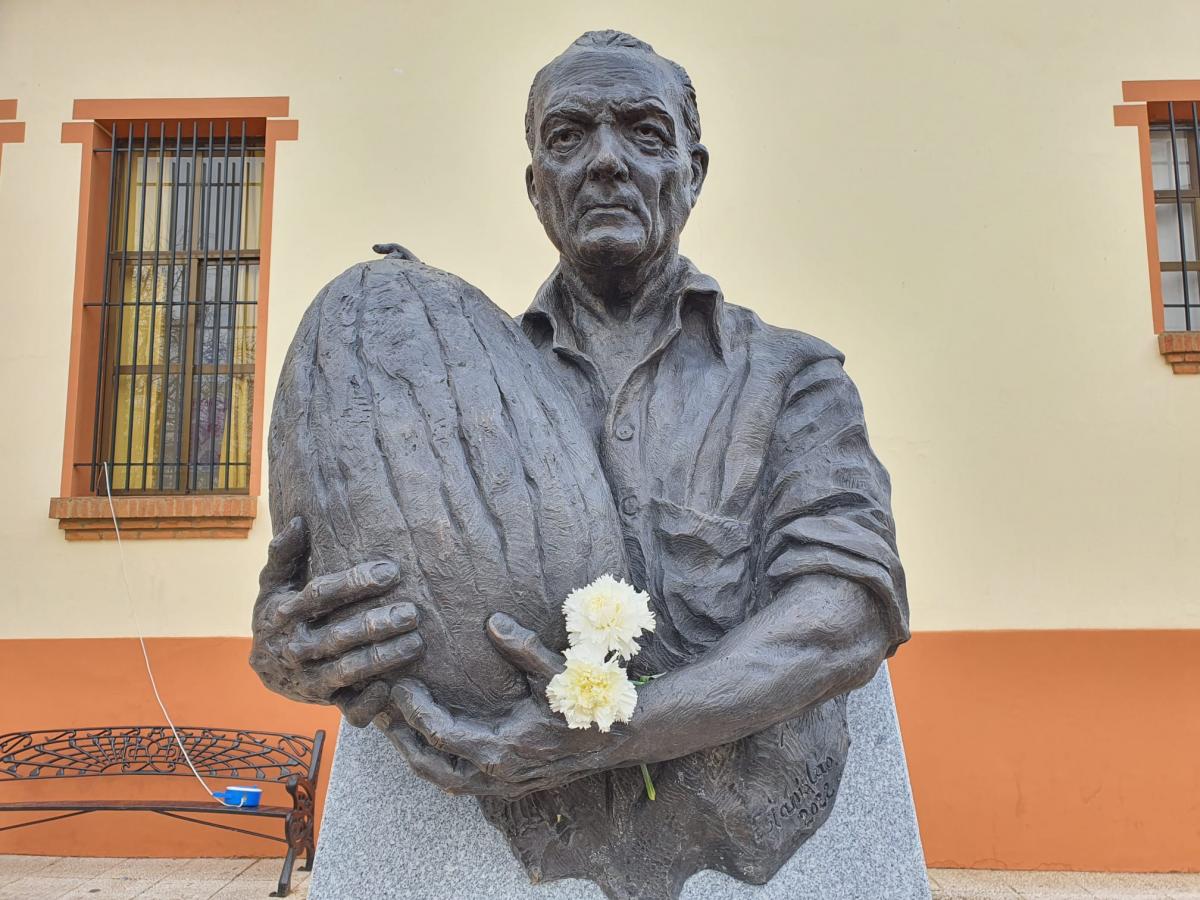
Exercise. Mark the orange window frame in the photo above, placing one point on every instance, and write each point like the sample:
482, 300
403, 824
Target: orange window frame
80, 512
10, 132
1146, 102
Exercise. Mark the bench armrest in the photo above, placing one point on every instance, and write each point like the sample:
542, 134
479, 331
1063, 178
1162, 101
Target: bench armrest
303, 792
314, 767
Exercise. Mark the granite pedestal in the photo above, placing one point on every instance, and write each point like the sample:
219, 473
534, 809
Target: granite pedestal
388, 834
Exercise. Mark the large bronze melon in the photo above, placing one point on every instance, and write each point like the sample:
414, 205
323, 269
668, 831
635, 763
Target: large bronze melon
413, 421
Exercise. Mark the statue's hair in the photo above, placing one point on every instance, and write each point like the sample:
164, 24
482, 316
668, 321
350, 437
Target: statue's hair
619, 41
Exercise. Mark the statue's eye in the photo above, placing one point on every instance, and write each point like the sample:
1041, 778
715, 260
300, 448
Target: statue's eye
565, 139
650, 135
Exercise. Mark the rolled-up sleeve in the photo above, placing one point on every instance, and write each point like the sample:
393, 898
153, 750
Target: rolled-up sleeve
828, 506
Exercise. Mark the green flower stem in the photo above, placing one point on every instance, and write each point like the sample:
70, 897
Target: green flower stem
649, 784
650, 792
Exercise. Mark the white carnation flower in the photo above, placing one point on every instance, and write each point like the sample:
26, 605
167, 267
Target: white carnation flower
591, 689
607, 616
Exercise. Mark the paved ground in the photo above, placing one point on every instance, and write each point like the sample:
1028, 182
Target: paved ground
83, 878
979, 884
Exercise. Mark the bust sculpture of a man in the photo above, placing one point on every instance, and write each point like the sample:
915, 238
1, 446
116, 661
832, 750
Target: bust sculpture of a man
753, 513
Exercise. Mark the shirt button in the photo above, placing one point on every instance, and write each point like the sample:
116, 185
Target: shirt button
624, 431
629, 505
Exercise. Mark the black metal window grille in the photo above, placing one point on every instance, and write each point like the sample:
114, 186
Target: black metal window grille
175, 379
1176, 176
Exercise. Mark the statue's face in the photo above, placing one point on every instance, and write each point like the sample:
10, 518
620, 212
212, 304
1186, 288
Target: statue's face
613, 177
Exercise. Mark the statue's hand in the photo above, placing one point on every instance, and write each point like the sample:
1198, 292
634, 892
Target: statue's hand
336, 663
454, 774
531, 749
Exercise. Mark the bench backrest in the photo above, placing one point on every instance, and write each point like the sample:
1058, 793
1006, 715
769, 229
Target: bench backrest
152, 750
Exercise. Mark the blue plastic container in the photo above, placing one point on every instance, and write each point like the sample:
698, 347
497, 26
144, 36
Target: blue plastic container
239, 796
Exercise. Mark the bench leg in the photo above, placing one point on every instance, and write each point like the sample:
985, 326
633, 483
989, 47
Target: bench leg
298, 830
285, 877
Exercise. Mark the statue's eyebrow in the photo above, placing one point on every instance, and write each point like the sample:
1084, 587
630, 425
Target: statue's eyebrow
650, 107
572, 110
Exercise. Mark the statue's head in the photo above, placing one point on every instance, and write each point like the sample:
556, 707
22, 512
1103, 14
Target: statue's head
617, 164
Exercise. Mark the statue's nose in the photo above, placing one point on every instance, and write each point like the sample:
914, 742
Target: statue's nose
608, 161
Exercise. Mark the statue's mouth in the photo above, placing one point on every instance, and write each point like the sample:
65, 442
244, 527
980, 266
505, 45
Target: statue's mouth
610, 209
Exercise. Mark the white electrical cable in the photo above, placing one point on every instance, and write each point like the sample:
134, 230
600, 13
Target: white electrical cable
142, 640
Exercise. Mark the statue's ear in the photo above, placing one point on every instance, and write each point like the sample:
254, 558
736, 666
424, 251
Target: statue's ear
699, 169
531, 190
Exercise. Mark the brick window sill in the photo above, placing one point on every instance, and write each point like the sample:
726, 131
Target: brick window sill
209, 516
1182, 350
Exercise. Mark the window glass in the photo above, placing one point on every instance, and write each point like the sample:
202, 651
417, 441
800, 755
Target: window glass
1161, 162
1167, 217
183, 288
1174, 318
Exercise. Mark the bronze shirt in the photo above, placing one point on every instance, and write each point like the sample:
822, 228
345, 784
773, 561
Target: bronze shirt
739, 460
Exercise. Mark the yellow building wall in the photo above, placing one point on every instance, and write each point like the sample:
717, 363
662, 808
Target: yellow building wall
936, 188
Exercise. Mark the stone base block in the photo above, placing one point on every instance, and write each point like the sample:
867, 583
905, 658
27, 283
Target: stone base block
388, 834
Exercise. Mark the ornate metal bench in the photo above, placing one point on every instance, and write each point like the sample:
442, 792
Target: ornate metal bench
221, 754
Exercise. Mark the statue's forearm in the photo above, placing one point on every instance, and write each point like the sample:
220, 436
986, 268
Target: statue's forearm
820, 638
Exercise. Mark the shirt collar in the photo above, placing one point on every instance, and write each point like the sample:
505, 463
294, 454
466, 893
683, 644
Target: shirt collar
692, 289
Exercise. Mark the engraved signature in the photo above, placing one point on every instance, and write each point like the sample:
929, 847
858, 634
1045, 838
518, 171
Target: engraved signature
812, 791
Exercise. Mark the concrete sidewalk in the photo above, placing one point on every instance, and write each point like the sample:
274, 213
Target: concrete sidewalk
89, 878
987, 884
94, 878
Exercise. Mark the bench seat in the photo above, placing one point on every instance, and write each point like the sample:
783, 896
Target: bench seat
194, 806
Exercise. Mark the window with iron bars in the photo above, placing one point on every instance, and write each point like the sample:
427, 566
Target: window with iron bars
1175, 165
175, 378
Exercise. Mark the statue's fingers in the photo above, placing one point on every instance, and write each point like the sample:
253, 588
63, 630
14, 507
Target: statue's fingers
285, 557
423, 714
429, 763
523, 648
365, 664
327, 592
369, 627
443, 730
359, 708
453, 774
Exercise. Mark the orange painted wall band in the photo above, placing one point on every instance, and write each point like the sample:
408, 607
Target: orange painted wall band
1027, 749
182, 108
8, 109
1054, 749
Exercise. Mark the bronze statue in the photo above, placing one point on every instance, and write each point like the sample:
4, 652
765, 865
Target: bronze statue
739, 491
